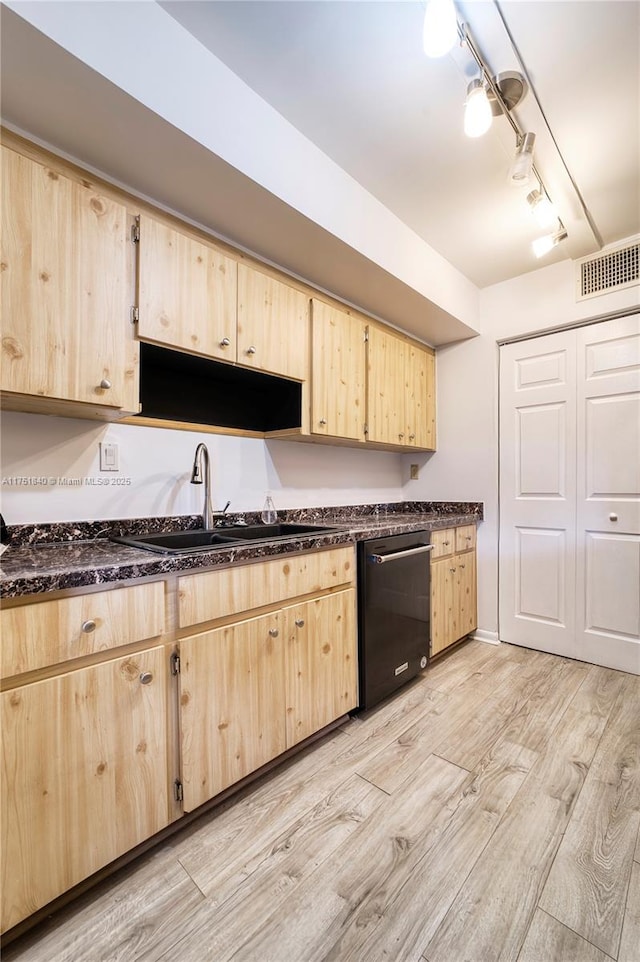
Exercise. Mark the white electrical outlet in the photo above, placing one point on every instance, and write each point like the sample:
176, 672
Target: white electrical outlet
109, 456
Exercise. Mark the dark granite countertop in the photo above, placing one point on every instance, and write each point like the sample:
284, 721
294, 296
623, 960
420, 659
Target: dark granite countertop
70, 555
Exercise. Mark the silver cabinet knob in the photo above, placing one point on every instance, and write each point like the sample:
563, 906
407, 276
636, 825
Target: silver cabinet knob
613, 517
462, 566
412, 437
322, 421
446, 544
401, 436
88, 627
452, 570
299, 622
105, 384
225, 342
273, 632
146, 678
468, 537
251, 350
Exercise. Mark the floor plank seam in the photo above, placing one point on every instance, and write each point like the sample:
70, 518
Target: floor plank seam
579, 934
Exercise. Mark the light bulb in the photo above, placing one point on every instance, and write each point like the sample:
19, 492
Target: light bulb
522, 166
542, 209
440, 31
542, 245
477, 110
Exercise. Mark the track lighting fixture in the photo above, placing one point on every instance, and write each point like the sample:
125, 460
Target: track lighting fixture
494, 96
522, 166
542, 245
477, 110
542, 209
440, 31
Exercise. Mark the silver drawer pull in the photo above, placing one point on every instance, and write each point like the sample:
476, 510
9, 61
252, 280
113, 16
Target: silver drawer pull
251, 350
322, 421
225, 342
88, 626
445, 544
273, 632
105, 384
462, 566
381, 559
146, 678
613, 516
452, 570
299, 622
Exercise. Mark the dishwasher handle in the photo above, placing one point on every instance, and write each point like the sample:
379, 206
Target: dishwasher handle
381, 559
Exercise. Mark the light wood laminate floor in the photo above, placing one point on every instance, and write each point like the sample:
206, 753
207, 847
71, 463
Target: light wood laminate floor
487, 813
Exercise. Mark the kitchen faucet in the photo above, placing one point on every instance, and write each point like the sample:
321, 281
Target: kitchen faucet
200, 467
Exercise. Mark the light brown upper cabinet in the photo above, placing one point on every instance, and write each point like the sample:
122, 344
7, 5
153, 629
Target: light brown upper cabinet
273, 325
420, 397
400, 391
66, 289
338, 368
387, 384
193, 297
187, 292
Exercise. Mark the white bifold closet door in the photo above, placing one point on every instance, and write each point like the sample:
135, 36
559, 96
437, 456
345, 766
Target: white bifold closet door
570, 493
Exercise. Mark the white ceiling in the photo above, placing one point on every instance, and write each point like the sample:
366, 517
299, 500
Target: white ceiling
352, 77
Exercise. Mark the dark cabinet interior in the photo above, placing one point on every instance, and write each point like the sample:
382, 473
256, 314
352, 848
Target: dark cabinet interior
182, 387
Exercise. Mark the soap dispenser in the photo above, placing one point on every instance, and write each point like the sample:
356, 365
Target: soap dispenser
269, 515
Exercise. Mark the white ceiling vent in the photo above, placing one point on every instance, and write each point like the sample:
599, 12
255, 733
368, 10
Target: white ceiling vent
601, 273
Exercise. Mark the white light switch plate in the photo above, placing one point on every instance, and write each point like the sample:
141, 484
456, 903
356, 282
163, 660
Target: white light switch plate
109, 456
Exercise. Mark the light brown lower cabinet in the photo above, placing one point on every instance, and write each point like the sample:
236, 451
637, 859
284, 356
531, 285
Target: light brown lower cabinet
453, 586
97, 730
84, 775
252, 689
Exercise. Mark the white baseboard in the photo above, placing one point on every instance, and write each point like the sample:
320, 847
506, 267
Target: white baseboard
490, 637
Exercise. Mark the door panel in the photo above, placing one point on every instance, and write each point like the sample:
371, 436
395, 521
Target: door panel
540, 575
608, 487
537, 493
541, 437
612, 580
570, 493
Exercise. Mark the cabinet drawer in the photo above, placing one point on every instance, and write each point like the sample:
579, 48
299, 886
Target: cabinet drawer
216, 594
443, 541
37, 635
466, 537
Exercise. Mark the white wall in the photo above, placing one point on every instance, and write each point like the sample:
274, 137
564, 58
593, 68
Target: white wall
465, 465
158, 464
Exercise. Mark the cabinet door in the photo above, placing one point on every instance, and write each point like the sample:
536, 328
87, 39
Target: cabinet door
386, 387
466, 593
187, 292
84, 775
231, 705
338, 366
420, 397
444, 611
66, 289
321, 663
273, 325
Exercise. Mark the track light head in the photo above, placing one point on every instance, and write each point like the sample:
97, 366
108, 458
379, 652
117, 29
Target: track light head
522, 166
477, 110
440, 31
542, 209
542, 245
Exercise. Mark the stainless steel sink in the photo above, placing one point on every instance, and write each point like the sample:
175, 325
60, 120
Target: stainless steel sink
186, 542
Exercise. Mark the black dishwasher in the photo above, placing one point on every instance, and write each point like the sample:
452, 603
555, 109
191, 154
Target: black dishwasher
393, 613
